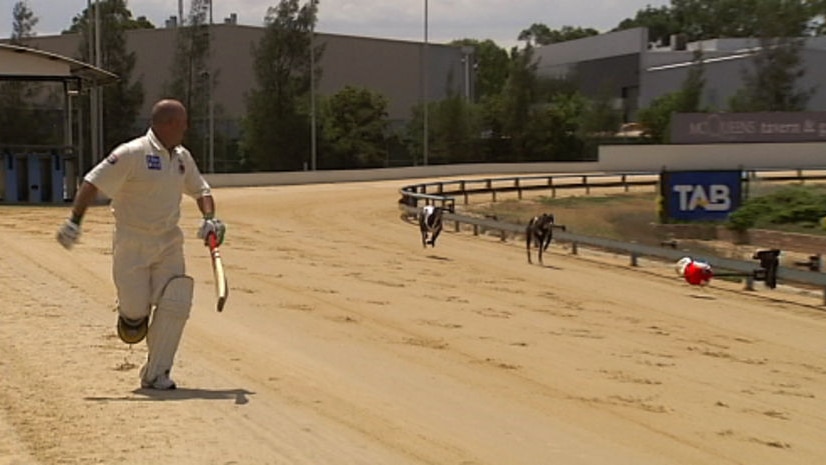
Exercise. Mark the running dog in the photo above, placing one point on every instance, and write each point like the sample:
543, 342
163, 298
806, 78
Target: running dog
540, 231
430, 222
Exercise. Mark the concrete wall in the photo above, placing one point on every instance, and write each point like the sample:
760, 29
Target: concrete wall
711, 157
434, 172
612, 159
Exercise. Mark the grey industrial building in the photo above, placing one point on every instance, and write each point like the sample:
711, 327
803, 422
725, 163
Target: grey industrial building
623, 64
392, 68
634, 71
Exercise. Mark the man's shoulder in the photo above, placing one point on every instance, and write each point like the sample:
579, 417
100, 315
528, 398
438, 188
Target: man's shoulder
135, 147
138, 145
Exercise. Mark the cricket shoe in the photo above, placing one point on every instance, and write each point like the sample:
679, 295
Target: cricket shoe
161, 382
132, 331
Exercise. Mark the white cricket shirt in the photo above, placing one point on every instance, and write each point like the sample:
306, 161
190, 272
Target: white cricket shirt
146, 182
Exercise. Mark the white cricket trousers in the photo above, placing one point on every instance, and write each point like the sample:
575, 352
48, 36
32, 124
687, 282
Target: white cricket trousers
141, 267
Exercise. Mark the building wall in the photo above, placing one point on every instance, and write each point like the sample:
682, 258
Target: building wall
604, 65
390, 67
611, 57
724, 78
612, 44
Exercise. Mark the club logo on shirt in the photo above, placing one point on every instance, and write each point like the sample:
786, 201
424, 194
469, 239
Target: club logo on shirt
181, 168
153, 162
112, 158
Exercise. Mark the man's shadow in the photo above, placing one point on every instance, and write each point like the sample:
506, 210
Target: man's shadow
149, 395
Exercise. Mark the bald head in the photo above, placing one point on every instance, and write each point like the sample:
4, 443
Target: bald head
167, 110
169, 122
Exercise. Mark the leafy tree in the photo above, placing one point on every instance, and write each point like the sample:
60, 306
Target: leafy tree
277, 126
540, 34
455, 130
123, 99
519, 95
491, 66
771, 84
553, 129
567, 33
710, 19
495, 145
661, 23
599, 117
23, 22
192, 80
656, 118
693, 86
17, 118
354, 129
127, 22
536, 34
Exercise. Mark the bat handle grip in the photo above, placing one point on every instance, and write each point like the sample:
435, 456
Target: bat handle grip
212, 240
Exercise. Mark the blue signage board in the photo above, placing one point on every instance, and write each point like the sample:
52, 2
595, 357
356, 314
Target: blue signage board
700, 195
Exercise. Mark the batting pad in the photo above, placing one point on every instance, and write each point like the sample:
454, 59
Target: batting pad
168, 324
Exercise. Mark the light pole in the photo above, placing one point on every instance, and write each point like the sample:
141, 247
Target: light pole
424, 88
211, 103
313, 154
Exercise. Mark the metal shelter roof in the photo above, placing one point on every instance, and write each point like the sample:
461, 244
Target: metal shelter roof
29, 64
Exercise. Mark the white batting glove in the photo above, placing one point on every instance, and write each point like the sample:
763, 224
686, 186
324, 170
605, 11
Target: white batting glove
212, 225
68, 234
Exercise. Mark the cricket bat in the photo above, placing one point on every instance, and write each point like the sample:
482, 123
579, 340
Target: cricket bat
221, 288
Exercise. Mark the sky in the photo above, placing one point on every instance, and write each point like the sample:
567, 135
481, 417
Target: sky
447, 20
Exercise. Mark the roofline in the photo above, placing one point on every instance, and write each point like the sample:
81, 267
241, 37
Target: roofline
685, 64
78, 69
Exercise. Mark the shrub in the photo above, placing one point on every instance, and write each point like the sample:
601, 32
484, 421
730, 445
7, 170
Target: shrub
801, 206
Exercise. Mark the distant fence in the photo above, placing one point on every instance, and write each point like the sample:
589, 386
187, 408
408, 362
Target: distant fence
443, 193
436, 190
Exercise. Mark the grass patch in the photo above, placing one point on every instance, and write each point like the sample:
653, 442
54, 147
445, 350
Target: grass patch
624, 217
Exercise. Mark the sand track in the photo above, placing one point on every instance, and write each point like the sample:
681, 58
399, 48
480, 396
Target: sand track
345, 342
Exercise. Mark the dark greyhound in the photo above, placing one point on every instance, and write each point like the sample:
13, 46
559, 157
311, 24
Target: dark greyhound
540, 231
430, 221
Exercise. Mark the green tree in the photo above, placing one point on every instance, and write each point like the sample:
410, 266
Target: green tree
122, 100
599, 117
17, 117
455, 130
23, 22
661, 23
491, 66
771, 83
656, 118
276, 130
709, 19
518, 97
354, 129
540, 34
191, 78
126, 21
552, 132
536, 34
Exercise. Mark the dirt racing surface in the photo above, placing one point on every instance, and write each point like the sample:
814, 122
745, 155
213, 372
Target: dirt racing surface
345, 342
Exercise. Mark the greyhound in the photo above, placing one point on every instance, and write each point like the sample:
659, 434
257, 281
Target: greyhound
430, 221
540, 231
